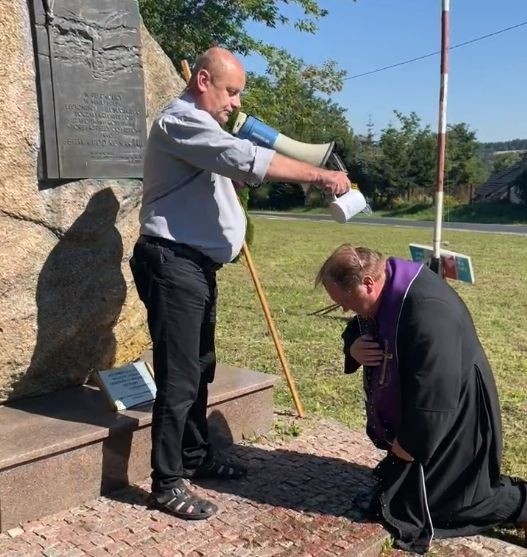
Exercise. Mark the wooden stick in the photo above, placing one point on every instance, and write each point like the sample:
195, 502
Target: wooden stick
272, 330
185, 68
324, 311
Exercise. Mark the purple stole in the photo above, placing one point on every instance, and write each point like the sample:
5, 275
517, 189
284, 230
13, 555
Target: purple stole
382, 383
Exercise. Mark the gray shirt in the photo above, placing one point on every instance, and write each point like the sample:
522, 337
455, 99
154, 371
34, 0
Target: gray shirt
188, 195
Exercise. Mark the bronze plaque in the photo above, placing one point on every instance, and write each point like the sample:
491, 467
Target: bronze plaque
91, 88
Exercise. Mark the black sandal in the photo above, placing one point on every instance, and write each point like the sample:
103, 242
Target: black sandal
219, 469
182, 503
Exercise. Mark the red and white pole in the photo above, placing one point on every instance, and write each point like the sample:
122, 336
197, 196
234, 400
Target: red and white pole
441, 136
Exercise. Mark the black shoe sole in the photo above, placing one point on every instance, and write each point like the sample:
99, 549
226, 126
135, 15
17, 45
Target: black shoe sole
163, 507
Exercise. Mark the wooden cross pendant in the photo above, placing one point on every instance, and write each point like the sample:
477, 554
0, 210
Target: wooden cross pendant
385, 357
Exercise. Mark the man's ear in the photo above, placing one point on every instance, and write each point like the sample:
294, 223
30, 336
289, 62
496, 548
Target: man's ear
203, 80
368, 282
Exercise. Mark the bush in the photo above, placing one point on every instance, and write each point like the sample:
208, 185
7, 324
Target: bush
286, 196
259, 197
315, 198
521, 187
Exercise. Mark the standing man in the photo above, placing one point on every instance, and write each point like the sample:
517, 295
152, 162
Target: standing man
431, 400
191, 224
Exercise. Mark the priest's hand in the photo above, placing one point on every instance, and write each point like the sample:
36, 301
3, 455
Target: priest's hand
399, 452
366, 351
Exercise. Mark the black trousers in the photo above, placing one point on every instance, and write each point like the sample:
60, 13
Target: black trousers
177, 284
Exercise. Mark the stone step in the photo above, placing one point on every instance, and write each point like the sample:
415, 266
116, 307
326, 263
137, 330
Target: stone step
306, 495
65, 448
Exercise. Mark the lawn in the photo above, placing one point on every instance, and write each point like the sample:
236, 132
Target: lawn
288, 254
491, 213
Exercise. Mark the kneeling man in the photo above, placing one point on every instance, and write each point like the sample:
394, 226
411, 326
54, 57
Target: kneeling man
431, 400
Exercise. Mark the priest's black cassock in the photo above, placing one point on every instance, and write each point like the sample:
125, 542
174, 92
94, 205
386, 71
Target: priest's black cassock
436, 394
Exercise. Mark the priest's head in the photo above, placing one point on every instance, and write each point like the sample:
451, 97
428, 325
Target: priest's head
354, 279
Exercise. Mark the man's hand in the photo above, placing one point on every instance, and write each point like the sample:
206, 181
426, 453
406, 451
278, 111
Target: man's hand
286, 169
399, 452
335, 182
366, 351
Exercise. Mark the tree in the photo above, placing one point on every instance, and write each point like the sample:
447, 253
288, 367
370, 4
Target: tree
520, 183
185, 28
362, 159
397, 150
288, 95
464, 167
293, 98
422, 160
504, 161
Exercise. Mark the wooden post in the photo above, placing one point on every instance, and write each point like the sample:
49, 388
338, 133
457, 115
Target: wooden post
185, 68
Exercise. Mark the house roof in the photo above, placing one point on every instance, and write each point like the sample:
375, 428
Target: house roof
500, 181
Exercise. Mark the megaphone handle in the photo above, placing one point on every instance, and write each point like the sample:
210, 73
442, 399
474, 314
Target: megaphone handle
338, 162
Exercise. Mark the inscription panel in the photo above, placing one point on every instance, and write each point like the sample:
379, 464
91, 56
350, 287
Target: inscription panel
91, 88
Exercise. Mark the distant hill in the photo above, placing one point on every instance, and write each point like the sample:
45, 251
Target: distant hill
511, 145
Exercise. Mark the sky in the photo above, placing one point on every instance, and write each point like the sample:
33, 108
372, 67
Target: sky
487, 85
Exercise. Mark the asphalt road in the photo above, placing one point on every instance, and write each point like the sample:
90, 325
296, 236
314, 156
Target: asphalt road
515, 229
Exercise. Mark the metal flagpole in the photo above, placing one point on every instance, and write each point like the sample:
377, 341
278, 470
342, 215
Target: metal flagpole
435, 263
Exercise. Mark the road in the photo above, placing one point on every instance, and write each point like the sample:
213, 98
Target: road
514, 229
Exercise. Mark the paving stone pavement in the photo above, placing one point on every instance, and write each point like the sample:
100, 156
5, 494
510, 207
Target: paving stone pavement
306, 496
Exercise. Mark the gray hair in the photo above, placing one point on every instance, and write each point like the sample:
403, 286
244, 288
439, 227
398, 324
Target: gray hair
348, 266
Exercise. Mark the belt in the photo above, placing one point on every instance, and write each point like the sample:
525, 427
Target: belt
182, 250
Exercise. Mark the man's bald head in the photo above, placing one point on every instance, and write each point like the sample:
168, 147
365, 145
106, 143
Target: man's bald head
216, 60
216, 82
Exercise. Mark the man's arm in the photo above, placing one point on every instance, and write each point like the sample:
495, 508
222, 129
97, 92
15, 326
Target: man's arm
286, 169
200, 141
197, 139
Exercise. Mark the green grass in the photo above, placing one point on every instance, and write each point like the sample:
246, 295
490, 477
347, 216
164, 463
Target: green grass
488, 213
491, 213
287, 255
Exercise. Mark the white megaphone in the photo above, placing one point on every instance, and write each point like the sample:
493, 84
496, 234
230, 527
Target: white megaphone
342, 208
249, 127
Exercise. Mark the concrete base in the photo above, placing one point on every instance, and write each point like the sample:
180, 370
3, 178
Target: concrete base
61, 450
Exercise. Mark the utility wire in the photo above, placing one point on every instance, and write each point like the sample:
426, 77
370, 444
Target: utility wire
437, 52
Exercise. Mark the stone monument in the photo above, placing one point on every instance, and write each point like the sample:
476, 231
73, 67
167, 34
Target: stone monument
80, 81
72, 120
90, 85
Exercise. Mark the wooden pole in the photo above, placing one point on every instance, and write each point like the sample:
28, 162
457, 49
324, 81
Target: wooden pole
272, 330
326, 310
435, 264
185, 68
